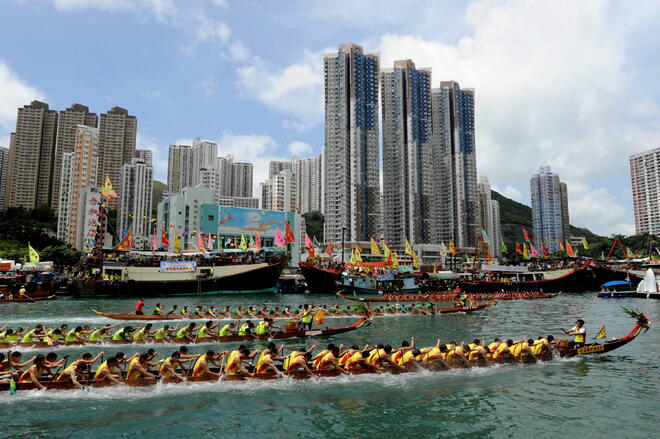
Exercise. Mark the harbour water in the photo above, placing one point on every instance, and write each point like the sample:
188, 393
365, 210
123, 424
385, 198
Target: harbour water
614, 395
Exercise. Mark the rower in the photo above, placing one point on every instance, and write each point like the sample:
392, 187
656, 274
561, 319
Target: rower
106, 369
579, 332
503, 352
74, 335
267, 357
541, 345
51, 360
185, 311
158, 310
71, 374
477, 353
207, 330
264, 327
329, 361
306, 317
168, 368
172, 310
164, 332
99, 334
318, 357
228, 329
297, 360
246, 328
34, 334
405, 347
137, 368
122, 334
493, 346
34, 372
201, 367
520, 348
143, 333
186, 332
234, 362
381, 356
456, 355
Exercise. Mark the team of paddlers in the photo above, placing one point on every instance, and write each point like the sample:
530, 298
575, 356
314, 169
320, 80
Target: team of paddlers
272, 362
457, 296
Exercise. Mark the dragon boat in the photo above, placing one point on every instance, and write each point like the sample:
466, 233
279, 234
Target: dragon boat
26, 299
563, 350
291, 330
447, 297
449, 310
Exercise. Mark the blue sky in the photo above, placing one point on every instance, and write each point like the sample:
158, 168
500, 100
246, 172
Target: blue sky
573, 85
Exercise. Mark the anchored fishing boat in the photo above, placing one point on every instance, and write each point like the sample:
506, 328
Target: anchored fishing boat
321, 279
386, 283
563, 351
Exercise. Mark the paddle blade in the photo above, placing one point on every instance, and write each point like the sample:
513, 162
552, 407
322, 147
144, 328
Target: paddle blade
12, 387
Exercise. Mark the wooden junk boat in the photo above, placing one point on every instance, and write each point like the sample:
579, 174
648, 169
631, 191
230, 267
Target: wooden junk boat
321, 279
291, 330
588, 349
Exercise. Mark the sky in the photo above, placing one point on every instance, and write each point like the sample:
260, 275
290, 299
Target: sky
568, 84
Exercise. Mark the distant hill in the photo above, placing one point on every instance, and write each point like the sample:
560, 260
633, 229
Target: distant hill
157, 196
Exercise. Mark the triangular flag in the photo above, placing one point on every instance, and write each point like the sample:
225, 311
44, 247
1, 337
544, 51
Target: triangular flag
534, 253
164, 240
200, 243
251, 242
415, 263
328, 249
525, 251
544, 250
279, 238
452, 249
387, 253
443, 250
395, 260
374, 248
154, 242
243, 245
585, 244
258, 243
561, 246
484, 236
358, 255
33, 255
177, 242
289, 233
409, 249
602, 333
503, 246
310, 246
125, 242
352, 260
525, 235
518, 249
569, 249
107, 191
629, 253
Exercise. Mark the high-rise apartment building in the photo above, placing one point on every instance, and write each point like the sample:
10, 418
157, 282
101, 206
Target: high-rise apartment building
63, 201
146, 155
179, 168
488, 223
204, 156
565, 220
352, 186
455, 206
4, 162
278, 192
32, 154
645, 179
134, 212
68, 122
277, 166
78, 177
546, 208
117, 133
307, 174
497, 228
407, 165
241, 180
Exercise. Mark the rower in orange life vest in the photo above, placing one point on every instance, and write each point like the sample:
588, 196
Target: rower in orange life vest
579, 332
297, 360
266, 359
329, 361
71, 372
137, 368
168, 368
380, 356
106, 369
201, 367
34, 372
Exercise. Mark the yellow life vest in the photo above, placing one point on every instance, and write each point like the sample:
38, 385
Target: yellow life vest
344, 358
119, 335
65, 372
433, 354
290, 360
261, 366
353, 360
375, 356
326, 361
262, 328
160, 334
27, 338
579, 338
181, 333
202, 332
243, 329
132, 374
472, 346
101, 368
139, 335
230, 367
406, 358
167, 374
96, 335
25, 377
225, 331
198, 365
319, 357
493, 346
307, 318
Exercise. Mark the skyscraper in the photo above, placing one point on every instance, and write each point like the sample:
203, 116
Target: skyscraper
487, 216
546, 208
117, 133
4, 161
68, 122
241, 180
645, 179
455, 205
204, 156
31, 161
79, 177
565, 220
146, 155
179, 168
497, 228
352, 187
135, 201
278, 193
308, 183
407, 165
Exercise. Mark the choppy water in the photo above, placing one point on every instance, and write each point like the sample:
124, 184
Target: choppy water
615, 395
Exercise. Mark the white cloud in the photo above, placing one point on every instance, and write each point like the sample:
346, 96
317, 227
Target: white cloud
511, 192
207, 85
300, 149
598, 210
238, 51
296, 90
14, 93
161, 10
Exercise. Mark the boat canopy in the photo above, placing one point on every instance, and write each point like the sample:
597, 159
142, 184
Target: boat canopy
616, 283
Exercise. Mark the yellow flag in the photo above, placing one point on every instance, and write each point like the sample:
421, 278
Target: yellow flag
561, 246
585, 244
452, 249
243, 245
409, 250
107, 191
374, 248
525, 251
358, 254
177, 243
351, 260
34, 256
415, 261
395, 260
386, 250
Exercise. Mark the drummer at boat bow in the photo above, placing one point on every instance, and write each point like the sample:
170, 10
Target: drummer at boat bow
579, 332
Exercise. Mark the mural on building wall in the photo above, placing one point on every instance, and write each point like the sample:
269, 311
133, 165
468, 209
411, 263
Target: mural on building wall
232, 220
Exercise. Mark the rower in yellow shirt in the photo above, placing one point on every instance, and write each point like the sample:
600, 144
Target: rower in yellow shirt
329, 361
267, 357
201, 368
137, 368
169, 366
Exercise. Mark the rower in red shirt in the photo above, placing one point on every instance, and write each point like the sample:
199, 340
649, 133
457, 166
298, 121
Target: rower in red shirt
138, 307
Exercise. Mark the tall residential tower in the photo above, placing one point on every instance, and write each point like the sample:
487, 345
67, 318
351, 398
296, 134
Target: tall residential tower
645, 179
546, 208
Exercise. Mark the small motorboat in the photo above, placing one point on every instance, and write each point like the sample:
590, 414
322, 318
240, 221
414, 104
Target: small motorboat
291, 284
617, 289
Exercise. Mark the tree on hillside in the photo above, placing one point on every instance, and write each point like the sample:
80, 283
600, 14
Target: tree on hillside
36, 226
314, 222
61, 255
